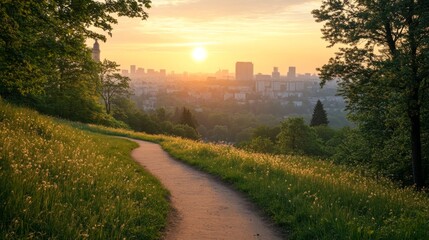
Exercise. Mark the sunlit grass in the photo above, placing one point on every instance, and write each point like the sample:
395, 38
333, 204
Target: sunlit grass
309, 198
58, 182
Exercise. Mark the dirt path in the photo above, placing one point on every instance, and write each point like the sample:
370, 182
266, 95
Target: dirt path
205, 208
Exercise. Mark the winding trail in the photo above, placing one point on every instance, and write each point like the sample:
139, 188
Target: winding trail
204, 207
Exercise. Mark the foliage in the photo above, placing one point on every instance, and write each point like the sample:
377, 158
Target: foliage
44, 58
113, 86
188, 119
267, 132
307, 198
259, 145
58, 182
328, 139
383, 66
313, 199
297, 138
126, 111
185, 131
220, 133
161, 114
319, 116
263, 140
356, 151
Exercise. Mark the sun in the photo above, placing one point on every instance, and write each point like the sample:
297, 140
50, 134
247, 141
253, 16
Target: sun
199, 54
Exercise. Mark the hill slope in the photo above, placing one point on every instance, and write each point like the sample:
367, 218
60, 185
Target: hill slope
51, 171
61, 182
309, 198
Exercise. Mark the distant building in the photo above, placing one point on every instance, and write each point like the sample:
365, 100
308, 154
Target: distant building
133, 69
163, 73
140, 72
244, 71
292, 72
96, 51
275, 74
262, 77
125, 72
222, 74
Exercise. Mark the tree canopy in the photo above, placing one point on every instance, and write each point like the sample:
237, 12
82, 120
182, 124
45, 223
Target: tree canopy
112, 84
383, 64
319, 115
188, 118
44, 60
297, 138
37, 37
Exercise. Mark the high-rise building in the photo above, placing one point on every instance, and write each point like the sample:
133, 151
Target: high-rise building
96, 51
125, 72
133, 69
244, 71
140, 71
275, 74
163, 72
292, 72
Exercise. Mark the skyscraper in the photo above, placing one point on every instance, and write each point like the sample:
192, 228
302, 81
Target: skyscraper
133, 69
292, 72
96, 51
275, 74
244, 71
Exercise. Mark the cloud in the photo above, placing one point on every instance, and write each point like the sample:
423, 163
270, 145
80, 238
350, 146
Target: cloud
178, 31
292, 20
212, 9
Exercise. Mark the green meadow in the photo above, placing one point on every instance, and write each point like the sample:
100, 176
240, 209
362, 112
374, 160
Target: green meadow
307, 198
58, 182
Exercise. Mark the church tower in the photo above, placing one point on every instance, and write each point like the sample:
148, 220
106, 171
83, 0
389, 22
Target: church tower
96, 51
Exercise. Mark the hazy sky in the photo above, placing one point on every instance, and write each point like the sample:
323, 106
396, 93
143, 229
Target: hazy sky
269, 33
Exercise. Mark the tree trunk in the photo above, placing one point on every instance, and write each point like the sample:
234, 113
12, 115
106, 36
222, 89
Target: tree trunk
416, 149
414, 106
107, 105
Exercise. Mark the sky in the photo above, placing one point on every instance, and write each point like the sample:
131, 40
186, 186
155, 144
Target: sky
269, 33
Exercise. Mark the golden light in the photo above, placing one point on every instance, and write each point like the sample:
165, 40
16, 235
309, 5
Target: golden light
199, 54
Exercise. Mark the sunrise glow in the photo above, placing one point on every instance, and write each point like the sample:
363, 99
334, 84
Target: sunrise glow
269, 34
199, 54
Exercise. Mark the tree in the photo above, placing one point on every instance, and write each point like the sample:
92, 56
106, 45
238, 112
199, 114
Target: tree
188, 119
112, 84
185, 131
220, 133
267, 132
161, 114
319, 115
35, 34
260, 145
297, 138
383, 65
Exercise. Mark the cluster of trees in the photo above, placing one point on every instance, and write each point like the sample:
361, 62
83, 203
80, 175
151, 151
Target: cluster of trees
293, 136
383, 70
182, 123
383, 64
217, 126
45, 64
44, 61
345, 146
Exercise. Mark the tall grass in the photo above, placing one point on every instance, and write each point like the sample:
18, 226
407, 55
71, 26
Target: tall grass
57, 182
309, 198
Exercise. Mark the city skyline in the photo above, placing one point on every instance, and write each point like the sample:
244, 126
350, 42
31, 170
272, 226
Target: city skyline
135, 70
286, 35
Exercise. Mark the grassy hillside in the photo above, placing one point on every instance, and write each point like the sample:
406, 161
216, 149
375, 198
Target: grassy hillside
310, 199
60, 182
